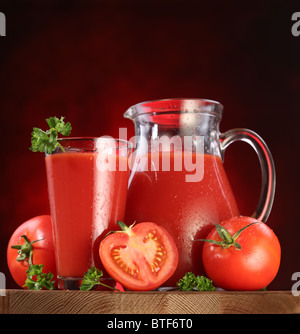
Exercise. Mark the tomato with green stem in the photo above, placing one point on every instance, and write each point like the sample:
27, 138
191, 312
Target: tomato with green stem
241, 253
140, 257
31, 244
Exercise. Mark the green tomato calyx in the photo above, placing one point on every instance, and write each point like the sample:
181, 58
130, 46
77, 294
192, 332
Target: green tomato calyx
227, 240
25, 250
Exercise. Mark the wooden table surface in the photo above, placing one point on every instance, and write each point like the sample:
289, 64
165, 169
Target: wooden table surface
175, 302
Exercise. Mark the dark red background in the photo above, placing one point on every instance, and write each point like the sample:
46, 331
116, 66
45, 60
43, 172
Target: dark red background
90, 61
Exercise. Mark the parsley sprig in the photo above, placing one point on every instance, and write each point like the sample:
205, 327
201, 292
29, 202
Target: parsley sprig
191, 282
47, 141
37, 280
92, 278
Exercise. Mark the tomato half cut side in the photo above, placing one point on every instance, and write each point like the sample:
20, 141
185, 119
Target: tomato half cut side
140, 257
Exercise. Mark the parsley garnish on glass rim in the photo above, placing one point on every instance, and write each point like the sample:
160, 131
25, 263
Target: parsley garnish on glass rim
47, 141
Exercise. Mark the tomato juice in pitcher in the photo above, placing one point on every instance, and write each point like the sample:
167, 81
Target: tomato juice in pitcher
187, 210
187, 199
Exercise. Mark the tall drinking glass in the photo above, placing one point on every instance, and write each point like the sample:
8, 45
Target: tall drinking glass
87, 185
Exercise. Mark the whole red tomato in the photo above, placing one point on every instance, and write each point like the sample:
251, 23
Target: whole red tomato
140, 257
31, 243
241, 257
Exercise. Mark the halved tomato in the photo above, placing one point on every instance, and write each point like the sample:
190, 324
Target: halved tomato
140, 257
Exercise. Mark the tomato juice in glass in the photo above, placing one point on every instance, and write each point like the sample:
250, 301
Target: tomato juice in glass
187, 210
87, 186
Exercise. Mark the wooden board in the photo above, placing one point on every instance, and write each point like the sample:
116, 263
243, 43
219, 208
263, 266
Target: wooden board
175, 302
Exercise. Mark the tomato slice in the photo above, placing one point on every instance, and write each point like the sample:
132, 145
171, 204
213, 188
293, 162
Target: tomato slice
140, 257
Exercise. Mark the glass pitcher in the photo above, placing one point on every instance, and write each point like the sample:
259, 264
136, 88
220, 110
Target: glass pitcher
177, 178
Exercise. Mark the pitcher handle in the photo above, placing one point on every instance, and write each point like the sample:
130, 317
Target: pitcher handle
267, 193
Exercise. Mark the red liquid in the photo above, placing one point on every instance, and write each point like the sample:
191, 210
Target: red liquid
85, 204
187, 210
